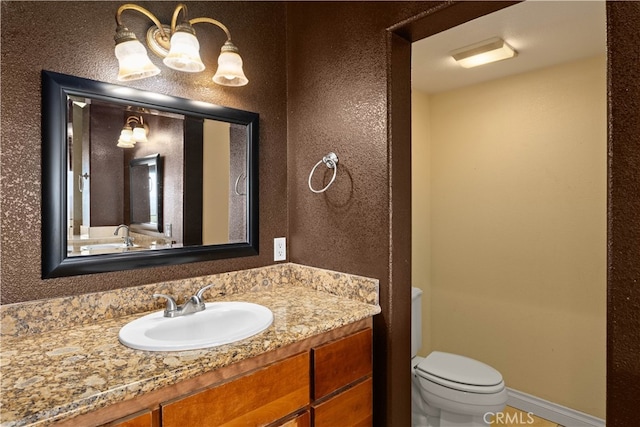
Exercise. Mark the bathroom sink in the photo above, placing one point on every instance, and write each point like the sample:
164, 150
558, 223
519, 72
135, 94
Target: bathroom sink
100, 246
220, 323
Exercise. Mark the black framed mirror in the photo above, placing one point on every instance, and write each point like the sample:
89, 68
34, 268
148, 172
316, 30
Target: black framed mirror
204, 153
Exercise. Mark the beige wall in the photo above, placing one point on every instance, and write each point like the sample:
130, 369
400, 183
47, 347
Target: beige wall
518, 230
421, 208
215, 180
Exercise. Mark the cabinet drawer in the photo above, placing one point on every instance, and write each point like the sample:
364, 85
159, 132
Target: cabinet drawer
351, 408
341, 362
258, 398
142, 419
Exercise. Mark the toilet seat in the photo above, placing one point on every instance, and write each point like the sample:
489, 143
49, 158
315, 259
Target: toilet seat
460, 373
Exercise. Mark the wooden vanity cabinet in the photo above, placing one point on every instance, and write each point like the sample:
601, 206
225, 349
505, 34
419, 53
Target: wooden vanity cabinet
342, 384
324, 381
333, 380
258, 398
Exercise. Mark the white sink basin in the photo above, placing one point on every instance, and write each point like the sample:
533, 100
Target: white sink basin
99, 246
220, 323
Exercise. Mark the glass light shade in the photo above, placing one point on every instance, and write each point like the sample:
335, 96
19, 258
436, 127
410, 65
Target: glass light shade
134, 62
126, 138
230, 71
139, 134
184, 54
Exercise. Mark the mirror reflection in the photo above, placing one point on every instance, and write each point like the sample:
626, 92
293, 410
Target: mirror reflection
145, 189
173, 180
202, 198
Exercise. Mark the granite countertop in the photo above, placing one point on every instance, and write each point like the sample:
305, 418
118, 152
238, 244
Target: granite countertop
58, 374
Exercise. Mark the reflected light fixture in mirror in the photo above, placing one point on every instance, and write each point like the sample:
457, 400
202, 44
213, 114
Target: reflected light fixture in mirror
484, 52
177, 44
134, 130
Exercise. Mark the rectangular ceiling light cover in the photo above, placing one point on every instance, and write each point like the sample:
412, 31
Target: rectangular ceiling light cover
484, 52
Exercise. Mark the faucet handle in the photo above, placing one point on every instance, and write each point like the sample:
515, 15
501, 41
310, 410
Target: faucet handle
202, 291
171, 303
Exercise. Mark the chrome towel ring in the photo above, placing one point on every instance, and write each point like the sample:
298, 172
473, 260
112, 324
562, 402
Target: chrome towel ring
331, 160
235, 187
81, 182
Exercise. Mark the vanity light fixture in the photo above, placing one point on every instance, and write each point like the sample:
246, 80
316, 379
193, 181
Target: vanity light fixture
177, 44
484, 52
132, 134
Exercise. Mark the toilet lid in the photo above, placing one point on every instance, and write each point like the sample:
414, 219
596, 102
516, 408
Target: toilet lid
453, 370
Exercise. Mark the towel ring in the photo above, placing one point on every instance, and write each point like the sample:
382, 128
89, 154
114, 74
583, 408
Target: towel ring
331, 160
81, 182
235, 187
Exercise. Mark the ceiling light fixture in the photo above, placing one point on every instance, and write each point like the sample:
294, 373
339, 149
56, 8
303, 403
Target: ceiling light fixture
132, 134
177, 44
484, 52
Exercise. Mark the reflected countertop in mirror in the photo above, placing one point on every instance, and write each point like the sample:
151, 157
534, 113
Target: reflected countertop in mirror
101, 240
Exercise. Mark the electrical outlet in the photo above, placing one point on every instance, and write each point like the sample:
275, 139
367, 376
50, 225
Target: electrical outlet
279, 249
168, 230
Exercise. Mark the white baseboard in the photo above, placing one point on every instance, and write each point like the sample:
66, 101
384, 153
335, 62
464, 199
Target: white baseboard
551, 411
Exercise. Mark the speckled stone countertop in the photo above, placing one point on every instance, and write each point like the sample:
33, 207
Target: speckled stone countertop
55, 372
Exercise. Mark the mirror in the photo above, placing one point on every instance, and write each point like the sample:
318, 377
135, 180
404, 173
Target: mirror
145, 189
181, 175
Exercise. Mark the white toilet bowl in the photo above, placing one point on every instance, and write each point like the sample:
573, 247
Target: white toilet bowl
455, 391
448, 389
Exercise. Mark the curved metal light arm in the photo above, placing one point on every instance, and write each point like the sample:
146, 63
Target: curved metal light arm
211, 21
145, 12
136, 120
180, 8
176, 12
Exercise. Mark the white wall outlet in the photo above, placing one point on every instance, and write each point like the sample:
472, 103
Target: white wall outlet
168, 230
280, 249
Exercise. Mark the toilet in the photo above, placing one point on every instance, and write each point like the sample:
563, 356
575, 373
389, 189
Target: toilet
447, 389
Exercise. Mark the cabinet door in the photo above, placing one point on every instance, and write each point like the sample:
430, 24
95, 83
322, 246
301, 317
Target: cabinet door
341, 362
351, 408
258, 398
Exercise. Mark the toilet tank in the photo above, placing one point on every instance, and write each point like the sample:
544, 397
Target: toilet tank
416, 321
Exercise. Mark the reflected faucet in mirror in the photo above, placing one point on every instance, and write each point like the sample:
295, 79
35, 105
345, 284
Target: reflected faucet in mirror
128, 240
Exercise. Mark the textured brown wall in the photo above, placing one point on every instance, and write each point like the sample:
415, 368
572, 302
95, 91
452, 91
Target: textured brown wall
343, 98
107, 166
77, 38
339, 101
623, 310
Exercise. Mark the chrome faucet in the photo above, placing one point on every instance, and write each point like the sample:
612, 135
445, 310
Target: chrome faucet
128, 241
192, 305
